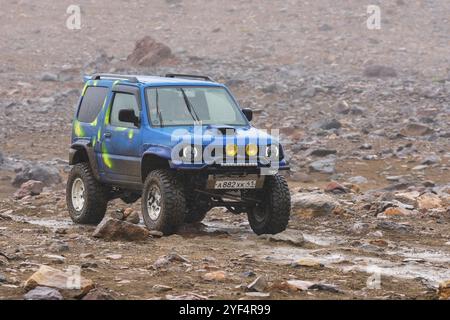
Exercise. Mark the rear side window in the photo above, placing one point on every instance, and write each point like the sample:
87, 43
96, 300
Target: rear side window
91, 104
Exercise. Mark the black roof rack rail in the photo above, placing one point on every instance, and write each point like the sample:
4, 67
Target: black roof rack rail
99, 76
193, 76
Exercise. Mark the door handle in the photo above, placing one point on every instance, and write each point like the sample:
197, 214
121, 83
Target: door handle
107, 135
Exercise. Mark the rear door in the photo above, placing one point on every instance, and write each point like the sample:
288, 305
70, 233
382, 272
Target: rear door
121, 145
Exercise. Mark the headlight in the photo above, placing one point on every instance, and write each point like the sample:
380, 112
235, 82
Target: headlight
251, 150
190, 152
231, 150
272, 151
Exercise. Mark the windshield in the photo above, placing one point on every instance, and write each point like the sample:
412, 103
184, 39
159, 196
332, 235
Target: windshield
192, 105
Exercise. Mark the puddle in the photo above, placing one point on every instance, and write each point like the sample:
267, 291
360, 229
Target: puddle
43, 222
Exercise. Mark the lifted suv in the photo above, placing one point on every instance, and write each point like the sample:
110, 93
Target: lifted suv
180, 142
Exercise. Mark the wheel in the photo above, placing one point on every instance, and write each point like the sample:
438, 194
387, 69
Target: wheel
272, 215
86, 198
163, 202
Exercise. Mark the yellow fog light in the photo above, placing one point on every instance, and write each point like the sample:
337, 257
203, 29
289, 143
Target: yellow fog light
251, 150
231, 150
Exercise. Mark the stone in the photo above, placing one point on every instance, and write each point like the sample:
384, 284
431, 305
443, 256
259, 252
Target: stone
43, 293
98, 294
54, 258
47, 76
167, 259
430, 160
258, 295
379, 71
215, 276
29, 188
444, 290
429, 201
148, 52
327, 166
47, 174
299, 285
416, 129
358, 180
133, 218
307, 263
313, 204
392, 226
59, 246
158, 288
327, 124
259, 284
156, 233
113, 229
396, 211
334, 187
66, 282
322, 152
292, 237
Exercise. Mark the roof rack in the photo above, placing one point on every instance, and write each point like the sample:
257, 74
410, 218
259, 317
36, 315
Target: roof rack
99, 76
180, 75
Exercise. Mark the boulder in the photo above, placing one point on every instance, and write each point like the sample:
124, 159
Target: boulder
313, 204
113, 229
429, 201
29, 188
148, 52
292, 237
69, 283
444, 290
39, 172
327, 166
43, 293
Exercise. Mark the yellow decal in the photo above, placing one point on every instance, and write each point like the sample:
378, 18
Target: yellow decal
78, 129
120, 129
95, 83
130, 134
105, 156
94, 123
84, 90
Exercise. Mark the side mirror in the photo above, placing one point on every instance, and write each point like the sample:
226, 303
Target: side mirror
127, 115
248, 114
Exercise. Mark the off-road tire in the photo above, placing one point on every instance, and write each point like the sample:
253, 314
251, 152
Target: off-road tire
95, 196
272, 215
173, 203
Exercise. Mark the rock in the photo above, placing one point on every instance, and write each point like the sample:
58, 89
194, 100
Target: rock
396, 211
54, 258
300, 285
158, 288
327, 124
59, 246
416, 129
148, 52
99, 295
308, 263
313, 204
334, 187
342, 107
429, 201
47, 76
430, 160
322, 152
327, 166
392, 226
379, 71
258, 295
409, 198
113, 229
309, 92
260, 284
2, 158
156, 233
133, 218
444, 290
292, 237
167, 259
38, 172
215, 276
419, 168
324, 287
301, 177
43, 293
272, 88
114, 256
2, 278
358, 180
29, 188
66, 282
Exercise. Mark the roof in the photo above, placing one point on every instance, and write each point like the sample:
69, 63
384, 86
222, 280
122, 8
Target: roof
152, 80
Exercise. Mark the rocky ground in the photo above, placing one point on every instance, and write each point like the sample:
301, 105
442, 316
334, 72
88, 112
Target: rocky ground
364, 116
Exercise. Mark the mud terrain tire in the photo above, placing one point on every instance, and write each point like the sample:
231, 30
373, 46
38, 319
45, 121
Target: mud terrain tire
92, 207
272, 216
163, 202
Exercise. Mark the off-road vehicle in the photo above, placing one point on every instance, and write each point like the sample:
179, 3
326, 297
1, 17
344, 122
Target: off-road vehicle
179, 142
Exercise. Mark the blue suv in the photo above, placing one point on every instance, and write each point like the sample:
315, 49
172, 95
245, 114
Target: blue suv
179, 142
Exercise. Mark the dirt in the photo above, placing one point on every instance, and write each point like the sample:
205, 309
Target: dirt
281, 60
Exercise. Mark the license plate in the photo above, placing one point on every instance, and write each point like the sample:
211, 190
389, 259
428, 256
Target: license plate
235, 184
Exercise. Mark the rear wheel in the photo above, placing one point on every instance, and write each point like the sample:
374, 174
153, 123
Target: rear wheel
272, 215
163, 202
86, 198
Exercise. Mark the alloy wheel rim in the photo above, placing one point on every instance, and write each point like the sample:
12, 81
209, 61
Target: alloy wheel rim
78, 198
154, 203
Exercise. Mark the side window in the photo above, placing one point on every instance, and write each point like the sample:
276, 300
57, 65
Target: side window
123, 101
91, 103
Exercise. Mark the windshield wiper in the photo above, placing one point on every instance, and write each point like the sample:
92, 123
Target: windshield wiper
190, 107
157, 109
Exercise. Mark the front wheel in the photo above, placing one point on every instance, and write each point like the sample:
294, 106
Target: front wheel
271, 216
163, 202
86, 198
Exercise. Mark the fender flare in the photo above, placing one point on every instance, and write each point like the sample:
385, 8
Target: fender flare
159, 152
76, 155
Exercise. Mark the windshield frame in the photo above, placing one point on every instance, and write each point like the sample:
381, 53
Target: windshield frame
163, 125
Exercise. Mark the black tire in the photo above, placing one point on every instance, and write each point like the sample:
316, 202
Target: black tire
95, 196
272, 216
172, 203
